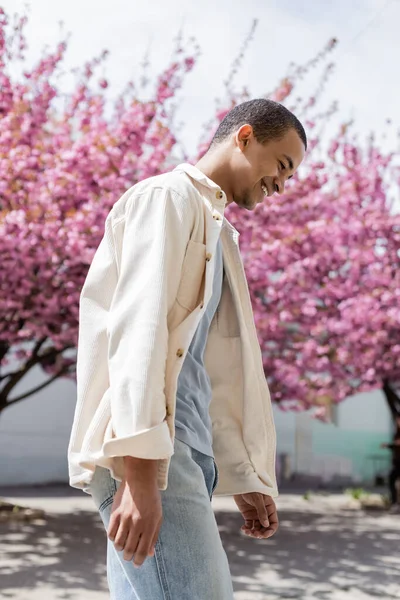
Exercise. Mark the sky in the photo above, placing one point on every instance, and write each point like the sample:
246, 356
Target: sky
365, 82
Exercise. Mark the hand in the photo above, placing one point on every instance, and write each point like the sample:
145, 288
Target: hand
136, 512
384, 445
259, 514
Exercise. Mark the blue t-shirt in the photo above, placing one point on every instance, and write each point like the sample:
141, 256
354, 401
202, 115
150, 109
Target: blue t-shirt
193, 397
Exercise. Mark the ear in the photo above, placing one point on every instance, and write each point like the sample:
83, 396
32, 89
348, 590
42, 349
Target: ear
243, 136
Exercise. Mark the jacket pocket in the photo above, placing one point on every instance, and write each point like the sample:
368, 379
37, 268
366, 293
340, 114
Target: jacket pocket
226, 315
216, 477
191, 285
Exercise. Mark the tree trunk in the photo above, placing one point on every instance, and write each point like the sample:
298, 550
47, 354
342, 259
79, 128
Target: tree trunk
392, 398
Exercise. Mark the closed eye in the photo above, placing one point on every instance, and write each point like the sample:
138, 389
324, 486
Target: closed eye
283, 167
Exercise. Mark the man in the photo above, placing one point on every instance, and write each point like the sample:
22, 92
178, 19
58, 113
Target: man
170, 375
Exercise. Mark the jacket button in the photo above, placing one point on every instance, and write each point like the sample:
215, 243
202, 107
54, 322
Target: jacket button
208, 257
201, 305
219, 195
179, 352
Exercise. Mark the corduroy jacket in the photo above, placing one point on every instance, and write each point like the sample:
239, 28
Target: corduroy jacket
140, 305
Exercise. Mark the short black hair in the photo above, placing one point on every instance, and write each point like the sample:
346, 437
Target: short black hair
269, 120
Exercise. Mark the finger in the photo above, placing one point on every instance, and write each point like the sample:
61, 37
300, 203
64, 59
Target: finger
142, 550
267, 532
257, 529
121, 537
248, 526
263, 533
270, 505
251, 532
113, 527
131, 544
254, 532
274, 520
259, 503
255, 535
273, 528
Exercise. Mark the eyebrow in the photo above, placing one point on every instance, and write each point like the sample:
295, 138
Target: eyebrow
289, 161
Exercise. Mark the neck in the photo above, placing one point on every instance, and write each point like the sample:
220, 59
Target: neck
215, 165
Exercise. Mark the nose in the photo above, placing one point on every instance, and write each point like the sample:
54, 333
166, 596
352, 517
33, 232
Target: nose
279, 185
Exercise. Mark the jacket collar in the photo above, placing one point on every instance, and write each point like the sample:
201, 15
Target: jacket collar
200, 177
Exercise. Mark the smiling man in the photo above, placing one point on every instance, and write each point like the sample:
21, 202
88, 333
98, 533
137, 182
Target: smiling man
256, 149
172, 399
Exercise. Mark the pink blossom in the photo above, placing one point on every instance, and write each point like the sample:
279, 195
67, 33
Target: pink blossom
322, 260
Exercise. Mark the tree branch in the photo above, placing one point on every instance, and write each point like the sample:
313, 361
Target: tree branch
392, 398
20, 374
4, 347
36, 389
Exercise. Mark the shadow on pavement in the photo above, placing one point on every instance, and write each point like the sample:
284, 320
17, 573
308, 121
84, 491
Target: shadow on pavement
47, 490
316, 553
312, 555
64, 552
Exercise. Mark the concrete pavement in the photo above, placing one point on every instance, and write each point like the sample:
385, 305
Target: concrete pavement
323, 551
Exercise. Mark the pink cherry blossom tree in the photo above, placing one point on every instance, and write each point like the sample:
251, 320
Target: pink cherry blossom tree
323, 267
321, 259
63, 162
322, 263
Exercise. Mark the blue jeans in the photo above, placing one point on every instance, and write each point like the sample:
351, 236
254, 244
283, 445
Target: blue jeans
189, 562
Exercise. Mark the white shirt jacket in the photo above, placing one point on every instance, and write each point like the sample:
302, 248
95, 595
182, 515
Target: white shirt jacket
140, 305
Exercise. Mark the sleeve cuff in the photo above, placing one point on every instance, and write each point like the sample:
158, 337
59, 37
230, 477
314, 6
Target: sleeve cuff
154, 443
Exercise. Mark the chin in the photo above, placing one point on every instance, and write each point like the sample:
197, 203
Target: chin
246, 202
253, 205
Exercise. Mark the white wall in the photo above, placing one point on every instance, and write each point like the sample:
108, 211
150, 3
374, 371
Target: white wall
365, 412
349, 447
34, 436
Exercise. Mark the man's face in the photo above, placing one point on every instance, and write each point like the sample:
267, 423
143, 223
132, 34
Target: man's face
261, 170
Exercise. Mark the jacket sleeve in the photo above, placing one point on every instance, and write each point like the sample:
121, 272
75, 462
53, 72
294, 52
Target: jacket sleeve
149, 245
